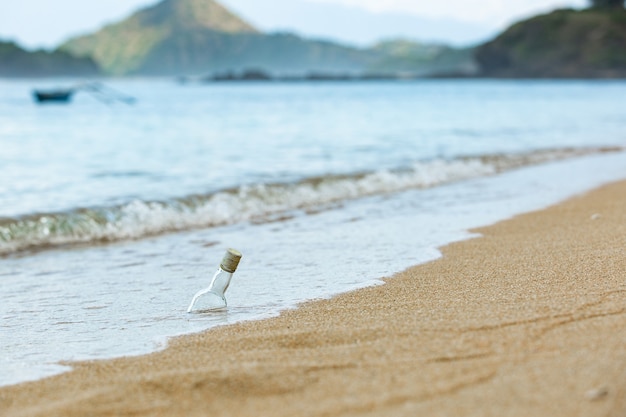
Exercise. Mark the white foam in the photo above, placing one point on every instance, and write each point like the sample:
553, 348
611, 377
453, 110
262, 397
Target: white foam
259, 202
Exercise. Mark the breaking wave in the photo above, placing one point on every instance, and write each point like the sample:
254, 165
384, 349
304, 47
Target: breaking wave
250, 203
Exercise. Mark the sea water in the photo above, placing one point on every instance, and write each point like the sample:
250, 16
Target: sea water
113, 216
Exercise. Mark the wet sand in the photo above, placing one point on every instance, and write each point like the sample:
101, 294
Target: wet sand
527, 320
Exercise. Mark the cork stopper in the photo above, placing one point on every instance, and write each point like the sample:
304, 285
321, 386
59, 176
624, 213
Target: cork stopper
230, 260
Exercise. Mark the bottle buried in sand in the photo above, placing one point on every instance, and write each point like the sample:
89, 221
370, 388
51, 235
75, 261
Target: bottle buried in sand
212, 298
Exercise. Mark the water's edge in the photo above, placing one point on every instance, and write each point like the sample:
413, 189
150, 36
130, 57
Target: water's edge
609, 169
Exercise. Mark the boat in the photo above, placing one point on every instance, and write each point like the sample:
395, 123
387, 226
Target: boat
56, 96
101, 92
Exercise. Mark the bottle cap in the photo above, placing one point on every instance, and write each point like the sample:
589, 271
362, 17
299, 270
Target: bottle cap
230, 260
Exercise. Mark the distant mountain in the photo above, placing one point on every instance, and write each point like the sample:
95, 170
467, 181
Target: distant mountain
563, 44
124, 47
422, 58
199, 37
187, 37
17, 62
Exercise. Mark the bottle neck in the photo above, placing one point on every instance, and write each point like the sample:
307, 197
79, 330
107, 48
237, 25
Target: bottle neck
220, 281
223, 271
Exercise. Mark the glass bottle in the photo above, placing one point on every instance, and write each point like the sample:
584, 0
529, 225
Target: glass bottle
212, 298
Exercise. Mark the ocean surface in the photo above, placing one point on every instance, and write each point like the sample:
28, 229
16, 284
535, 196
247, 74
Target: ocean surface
113, 215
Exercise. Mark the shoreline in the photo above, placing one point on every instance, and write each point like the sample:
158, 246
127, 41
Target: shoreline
524, 320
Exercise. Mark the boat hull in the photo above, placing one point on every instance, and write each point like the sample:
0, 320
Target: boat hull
54, 96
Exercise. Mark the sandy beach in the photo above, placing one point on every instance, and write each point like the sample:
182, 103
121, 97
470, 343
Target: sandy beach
526, 320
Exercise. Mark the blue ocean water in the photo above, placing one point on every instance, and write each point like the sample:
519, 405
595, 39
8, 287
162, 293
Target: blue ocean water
113, 215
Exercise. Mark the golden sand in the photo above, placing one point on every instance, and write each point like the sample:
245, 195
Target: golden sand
527, 320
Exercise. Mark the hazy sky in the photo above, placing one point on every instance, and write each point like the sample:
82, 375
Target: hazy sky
46, 23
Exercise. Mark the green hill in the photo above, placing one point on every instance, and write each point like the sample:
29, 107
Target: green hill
422, 58
204, 51
122, 48
199, 37
17, 62
563, 44
190, 37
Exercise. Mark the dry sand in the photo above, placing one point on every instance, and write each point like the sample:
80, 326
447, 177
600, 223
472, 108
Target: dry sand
528, 320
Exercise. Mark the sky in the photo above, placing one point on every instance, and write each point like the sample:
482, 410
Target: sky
46, 23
